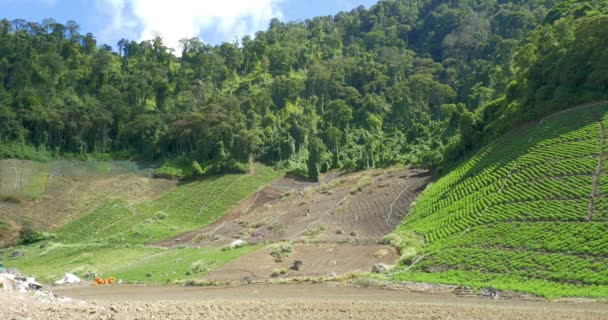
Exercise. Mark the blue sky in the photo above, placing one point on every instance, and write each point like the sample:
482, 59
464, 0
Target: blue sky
213, 21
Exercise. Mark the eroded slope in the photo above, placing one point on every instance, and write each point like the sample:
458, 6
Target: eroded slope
358, 208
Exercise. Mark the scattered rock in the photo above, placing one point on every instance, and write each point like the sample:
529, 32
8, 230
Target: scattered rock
68, 278
247, 280
353, 234
17, 254
10, 282
237, 243
380, 268
113, 309
339, 231
463, 290
490, 292
257, 234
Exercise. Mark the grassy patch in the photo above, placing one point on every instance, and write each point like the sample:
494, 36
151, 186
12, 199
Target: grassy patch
110, 240
128, 263
23, 180
190, 206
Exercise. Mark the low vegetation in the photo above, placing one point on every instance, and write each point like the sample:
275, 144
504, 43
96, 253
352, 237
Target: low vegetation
27, 235
281, 252
111, 240
527, 213
279, 272
127, 263
190, 206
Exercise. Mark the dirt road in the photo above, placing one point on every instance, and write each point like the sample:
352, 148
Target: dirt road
301, 301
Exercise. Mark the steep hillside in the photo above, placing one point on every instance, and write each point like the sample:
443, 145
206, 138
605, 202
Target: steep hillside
190, 206
359, 208
187, 233
364, 88
109, 239
47, 195
529, 212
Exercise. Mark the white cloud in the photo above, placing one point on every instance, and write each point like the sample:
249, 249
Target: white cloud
178, 19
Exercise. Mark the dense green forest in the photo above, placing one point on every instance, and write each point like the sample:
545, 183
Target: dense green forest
407, 81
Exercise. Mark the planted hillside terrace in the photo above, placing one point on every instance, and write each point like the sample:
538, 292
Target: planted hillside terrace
187, 207
111, 240
529, 212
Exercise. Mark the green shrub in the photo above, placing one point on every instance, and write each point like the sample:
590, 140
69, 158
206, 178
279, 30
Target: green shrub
279, 272
24, 152
201, 267
281, 252
27, 235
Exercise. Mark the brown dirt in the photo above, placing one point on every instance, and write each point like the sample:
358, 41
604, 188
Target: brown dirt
9, 235
322, 301
356, 208
318, 260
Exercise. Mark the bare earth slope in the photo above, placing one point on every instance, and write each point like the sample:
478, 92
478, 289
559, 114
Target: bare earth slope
358, 208
335, 225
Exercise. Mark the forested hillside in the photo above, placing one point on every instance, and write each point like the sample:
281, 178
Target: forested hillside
407, 81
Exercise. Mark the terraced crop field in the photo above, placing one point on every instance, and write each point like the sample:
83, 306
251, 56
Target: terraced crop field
528, 213
189, 206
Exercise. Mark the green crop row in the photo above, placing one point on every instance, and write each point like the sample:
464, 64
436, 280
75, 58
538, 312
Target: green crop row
522, 208
573, 238
548, 266
190, 206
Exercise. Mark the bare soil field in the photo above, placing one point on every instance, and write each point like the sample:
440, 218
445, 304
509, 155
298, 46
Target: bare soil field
356, 208
317, 260
303, 301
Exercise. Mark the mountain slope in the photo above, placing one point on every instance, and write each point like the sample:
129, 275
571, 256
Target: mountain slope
185, 208
529, 212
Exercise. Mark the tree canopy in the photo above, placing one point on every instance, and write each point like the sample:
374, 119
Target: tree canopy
406, 81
